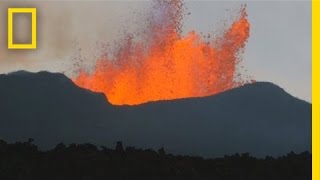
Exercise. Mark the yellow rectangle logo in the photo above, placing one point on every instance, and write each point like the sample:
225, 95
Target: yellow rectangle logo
33, 12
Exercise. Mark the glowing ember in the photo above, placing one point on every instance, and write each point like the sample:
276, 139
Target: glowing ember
166, 65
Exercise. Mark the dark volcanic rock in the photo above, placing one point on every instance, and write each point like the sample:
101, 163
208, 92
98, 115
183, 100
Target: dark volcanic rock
260, 118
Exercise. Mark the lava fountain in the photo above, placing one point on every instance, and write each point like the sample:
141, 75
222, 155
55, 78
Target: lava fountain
164, 65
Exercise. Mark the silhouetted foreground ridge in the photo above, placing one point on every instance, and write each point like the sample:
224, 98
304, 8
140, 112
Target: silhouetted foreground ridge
87, 162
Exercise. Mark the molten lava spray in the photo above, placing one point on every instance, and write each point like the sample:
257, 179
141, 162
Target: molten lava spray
165, 65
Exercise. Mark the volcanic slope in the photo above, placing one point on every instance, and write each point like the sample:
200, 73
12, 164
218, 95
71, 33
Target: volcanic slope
259, 118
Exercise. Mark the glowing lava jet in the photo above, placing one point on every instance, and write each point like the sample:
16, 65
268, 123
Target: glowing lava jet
164, 65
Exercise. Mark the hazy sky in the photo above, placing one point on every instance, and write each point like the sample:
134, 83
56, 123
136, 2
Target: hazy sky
278, 50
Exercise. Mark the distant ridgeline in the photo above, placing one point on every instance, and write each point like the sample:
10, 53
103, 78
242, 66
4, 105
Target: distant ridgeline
259, 118
23, 160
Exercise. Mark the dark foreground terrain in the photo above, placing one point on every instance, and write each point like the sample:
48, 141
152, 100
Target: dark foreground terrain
23, 161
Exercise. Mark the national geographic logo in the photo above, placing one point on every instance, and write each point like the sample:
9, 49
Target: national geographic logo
12, 44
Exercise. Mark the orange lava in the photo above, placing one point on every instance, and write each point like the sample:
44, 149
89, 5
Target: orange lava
166, 65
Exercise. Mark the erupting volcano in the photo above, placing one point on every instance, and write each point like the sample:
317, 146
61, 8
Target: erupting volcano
162, 64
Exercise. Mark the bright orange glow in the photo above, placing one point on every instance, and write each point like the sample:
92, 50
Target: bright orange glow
166, 65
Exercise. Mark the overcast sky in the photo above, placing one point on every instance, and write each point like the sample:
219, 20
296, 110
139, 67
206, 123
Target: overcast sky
278, 50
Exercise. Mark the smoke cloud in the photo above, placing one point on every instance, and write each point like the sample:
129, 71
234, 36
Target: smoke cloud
65, 30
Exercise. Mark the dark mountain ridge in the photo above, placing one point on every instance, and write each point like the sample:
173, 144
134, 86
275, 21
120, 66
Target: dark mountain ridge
259, 118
